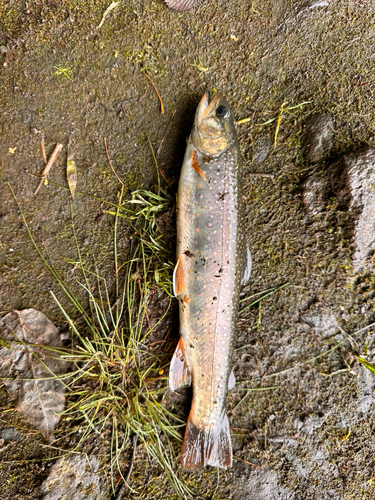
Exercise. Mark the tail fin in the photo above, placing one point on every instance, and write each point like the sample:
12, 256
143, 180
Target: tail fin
208, 446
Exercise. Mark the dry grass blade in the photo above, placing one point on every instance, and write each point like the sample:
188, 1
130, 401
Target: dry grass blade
48, 166
157, 92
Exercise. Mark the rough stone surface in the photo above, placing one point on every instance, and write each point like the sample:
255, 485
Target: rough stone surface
361, 178
262, 485
351, 181
325, 325
313, 194
317, 138
77, 478
10, 434
262, 149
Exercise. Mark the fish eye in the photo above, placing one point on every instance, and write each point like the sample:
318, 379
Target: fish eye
222, 112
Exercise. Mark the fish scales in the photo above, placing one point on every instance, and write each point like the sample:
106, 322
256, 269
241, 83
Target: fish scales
207, 278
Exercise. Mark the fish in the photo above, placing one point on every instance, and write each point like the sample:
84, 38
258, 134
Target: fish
213, 260
180, 4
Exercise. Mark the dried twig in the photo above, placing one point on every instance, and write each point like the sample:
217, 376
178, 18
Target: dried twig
156, 90
48, 166
110, 163
107, 11
122, 490
165, 133
43, 151
246, 462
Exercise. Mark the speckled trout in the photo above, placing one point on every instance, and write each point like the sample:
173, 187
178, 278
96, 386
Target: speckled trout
212, 261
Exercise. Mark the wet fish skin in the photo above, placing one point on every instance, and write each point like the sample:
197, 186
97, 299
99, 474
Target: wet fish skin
207, 279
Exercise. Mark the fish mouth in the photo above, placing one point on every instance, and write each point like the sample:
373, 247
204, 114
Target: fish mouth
210, 135
205, 108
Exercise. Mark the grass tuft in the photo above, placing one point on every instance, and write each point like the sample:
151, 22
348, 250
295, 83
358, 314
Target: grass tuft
116, 386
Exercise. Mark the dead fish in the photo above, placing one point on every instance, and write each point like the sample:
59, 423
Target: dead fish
180, 4
212, 261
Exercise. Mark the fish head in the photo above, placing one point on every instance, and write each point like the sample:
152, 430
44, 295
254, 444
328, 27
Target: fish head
213, 129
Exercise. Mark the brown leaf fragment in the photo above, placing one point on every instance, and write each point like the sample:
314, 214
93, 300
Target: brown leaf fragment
31, 372
71, 173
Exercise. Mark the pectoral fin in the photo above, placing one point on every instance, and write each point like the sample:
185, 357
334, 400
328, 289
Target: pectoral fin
179, 372
246, 266
178, 278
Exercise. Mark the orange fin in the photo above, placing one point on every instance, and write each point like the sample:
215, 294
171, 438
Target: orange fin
209, 446
231, 381
196, 166
178, 278
179, 372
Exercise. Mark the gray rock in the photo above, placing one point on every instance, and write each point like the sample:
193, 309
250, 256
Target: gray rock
262, 149
325, 325
75, 477
361, 179
317, 137
260, 485
351, 180
366, 385
313, 194
10, 434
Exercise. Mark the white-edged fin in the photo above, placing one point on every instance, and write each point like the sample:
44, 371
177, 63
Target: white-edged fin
208, 446
178, 278
246, 266
231, 381
179, 372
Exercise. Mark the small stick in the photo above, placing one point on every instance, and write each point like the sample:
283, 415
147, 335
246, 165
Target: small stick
49, 164
122, 490
156, 90
43, 151
165, 133
246, 462
110, 163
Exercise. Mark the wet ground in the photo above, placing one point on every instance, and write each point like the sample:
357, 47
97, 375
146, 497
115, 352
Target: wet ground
308, 434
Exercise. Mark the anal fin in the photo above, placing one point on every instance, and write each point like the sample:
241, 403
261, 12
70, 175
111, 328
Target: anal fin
179, 372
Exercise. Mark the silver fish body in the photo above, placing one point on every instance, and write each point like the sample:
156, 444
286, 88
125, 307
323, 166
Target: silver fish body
210, 253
